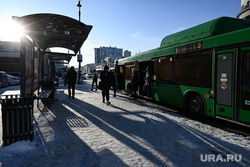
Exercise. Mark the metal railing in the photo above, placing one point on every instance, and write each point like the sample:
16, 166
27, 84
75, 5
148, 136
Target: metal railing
17, 118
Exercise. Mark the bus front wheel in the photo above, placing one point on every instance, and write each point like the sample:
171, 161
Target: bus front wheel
194, 106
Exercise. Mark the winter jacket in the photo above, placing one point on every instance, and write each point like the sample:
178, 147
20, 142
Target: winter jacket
107, 79
135, 81
71, 77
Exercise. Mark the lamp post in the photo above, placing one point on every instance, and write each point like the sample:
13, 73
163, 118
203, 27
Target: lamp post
79, 68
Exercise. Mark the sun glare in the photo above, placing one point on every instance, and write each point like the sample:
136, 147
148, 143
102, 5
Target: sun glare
11, 31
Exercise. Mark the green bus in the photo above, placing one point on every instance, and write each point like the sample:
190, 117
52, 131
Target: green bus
204, 69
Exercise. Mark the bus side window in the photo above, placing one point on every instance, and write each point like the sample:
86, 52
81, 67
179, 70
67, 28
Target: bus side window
128, 72
194, 69
165, 69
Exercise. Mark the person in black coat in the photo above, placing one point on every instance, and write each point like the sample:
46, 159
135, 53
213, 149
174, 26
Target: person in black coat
134, 82
95, 77
106, 79
71, 80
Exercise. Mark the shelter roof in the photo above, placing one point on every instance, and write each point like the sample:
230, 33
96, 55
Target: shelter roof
53, 30
57, 57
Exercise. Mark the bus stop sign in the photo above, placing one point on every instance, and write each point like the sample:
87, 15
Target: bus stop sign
79, 58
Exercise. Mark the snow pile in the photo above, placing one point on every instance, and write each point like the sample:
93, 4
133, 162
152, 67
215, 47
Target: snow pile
17, 148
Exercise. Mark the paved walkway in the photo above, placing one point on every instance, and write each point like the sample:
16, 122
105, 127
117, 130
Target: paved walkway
86, 132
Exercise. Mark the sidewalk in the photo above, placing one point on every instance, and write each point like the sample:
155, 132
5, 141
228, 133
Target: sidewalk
86, 132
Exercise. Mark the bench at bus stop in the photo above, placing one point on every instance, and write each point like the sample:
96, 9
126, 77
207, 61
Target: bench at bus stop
44, 96
48, 87
47, 93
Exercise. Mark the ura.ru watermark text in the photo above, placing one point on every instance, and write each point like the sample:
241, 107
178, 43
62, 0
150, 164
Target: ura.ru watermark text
220, 158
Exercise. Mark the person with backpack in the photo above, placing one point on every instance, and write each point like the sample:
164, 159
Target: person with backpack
95, 77
71, 80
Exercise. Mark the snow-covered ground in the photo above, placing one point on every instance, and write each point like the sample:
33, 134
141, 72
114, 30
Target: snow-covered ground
86, 132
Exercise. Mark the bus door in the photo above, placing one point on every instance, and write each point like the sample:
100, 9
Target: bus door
143, 66
120, 75
243, 114
224, 84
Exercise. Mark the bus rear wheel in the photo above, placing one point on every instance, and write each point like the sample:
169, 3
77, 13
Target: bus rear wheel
194, 106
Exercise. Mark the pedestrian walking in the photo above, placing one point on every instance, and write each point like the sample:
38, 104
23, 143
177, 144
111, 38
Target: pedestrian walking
135, 83
106, 80
71, 80
95, 77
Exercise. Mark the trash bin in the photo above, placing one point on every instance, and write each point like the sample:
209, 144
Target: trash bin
17, 118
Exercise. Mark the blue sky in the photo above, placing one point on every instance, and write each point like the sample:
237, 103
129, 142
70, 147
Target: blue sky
135, 25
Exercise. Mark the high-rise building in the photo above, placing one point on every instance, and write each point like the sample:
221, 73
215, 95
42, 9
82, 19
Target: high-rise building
245, 10
103, 52
127, 53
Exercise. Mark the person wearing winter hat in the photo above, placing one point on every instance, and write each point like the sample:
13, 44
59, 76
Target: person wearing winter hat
106, 79
71, 80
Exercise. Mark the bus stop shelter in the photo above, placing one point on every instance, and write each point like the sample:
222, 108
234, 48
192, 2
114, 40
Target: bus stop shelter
41, 32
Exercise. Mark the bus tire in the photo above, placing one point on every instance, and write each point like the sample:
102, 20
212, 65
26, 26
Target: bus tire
194, 106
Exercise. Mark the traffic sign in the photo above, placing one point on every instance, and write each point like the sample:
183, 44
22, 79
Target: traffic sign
79, 58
